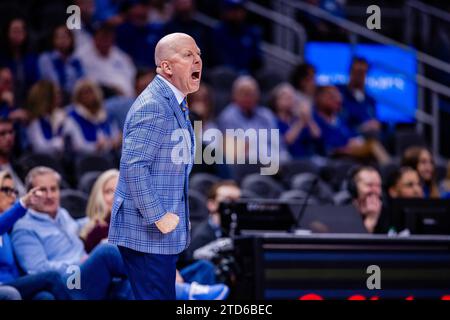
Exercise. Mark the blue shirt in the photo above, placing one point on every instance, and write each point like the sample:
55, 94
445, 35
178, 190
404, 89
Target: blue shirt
304, 146
8, 267
65, 73
334, 135
232, 117
354, 112
25, 71
106, 9
42, 243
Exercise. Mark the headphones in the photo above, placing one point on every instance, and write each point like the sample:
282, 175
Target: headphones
352, 188
351, 184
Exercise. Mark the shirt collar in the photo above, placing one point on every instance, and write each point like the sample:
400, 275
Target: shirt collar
44, 216
100, 117
178, 94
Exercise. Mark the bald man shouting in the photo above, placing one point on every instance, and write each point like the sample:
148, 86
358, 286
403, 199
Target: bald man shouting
150, 215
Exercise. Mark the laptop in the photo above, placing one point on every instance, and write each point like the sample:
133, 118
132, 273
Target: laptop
256, 215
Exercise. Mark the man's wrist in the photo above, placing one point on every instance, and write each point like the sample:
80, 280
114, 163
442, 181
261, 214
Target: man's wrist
22, 203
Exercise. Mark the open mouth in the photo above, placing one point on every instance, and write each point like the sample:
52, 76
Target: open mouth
195, 75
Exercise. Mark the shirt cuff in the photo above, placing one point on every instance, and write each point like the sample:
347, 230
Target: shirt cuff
22, 204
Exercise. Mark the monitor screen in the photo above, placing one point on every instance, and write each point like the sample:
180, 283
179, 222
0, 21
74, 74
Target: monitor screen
421, 216
389, 82
256, 215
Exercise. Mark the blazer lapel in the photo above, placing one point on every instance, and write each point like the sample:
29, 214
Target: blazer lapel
173, 103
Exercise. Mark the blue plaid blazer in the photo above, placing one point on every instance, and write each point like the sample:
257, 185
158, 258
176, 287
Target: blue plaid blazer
151, 183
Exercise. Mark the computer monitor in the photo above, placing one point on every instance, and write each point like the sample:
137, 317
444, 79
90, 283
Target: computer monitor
332, 219
421, 216
256, 215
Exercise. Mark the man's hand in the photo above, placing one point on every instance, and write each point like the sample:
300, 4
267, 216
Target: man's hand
7, 97
33, 197
371, 126
168, 222
370, 206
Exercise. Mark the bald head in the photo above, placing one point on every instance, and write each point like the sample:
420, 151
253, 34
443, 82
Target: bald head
177, 59
245, 93
168, 45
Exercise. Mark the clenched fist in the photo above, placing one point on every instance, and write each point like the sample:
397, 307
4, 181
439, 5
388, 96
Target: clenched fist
168, 222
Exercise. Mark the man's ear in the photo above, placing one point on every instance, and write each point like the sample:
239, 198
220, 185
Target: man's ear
165, 66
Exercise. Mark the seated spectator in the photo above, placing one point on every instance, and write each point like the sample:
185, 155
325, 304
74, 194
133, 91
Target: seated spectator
235, 43
106, 64
98, 209
303, 79
161, 12
83, 35
44, 130
60, 65
7, 138
96, 230
183, 21
365, 188
337, 138
46, 285
402, 184
117, 107
300, 132
421, 160
446, 183
16, 55
210, 229
405, 183
137, 37
9, 109
7, 98
335, 134
46, 239
359, 108
245, 113
87, 126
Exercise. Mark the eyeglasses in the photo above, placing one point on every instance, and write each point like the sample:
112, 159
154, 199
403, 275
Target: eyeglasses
9, 191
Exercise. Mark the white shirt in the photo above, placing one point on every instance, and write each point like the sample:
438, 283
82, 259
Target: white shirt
38, 141
73, 130
115, 70
178, 94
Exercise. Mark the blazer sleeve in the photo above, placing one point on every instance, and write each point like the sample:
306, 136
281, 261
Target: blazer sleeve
142, 139
8, 218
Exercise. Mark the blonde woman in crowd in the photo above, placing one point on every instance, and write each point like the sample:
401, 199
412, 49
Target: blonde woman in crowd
44, 130
96, 230
87, 126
